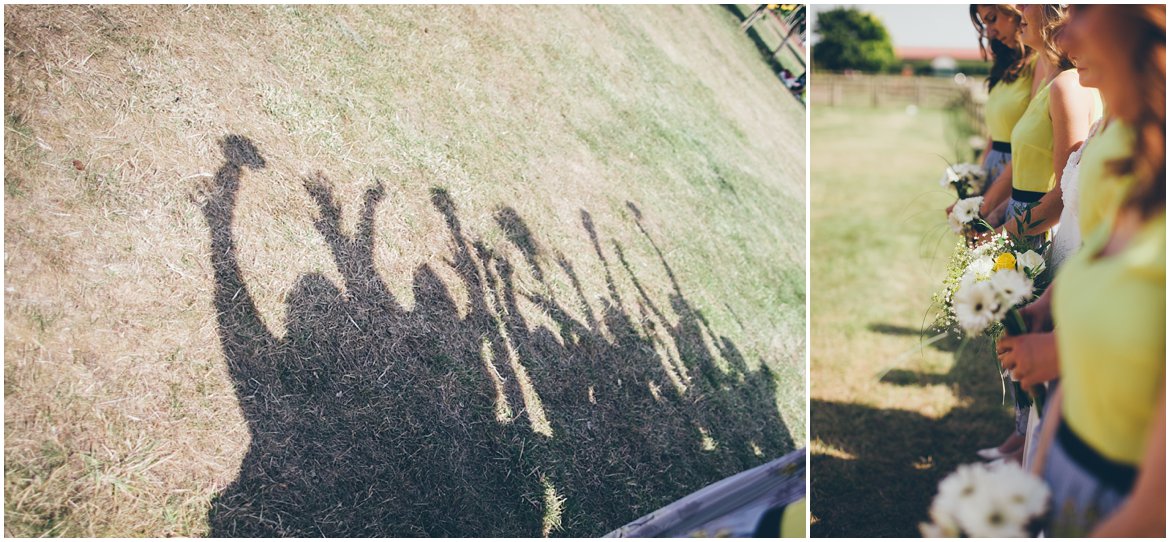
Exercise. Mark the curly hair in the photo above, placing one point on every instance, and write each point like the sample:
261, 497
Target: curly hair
1008, 61
1052, 20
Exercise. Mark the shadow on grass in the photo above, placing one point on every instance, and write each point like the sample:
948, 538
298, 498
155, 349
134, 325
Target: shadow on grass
950, 343
368, 419
891, 460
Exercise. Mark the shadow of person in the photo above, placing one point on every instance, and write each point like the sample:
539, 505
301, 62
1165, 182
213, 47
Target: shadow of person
362, 422
890, 462
371, 419
609, 396
949, 343
886, 463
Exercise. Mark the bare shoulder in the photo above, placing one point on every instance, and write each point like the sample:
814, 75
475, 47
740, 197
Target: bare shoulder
1067, 85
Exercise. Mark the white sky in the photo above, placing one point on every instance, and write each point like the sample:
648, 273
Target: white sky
942, 25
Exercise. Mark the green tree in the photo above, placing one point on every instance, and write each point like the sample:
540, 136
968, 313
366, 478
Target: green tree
848, 38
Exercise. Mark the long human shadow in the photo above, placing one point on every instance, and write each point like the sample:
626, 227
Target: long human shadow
368, 418
887, 463
949, 343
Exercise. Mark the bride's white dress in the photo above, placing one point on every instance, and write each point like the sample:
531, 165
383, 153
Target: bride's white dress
1065, 242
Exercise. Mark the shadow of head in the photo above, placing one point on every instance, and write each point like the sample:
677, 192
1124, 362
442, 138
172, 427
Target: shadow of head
517, 231
313, 306
634, 209
372, 419
442, 201
240, 151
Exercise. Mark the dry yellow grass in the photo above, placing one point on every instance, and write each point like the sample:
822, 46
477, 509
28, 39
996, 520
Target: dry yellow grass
630, 180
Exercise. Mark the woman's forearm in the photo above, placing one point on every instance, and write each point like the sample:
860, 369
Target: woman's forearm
1045, 214
998, 192
996, 216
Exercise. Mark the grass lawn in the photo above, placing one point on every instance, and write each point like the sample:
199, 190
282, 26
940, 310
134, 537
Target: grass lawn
767, 36
377, 271
889, 416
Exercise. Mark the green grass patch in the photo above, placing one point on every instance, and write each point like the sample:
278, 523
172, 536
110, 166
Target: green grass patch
890, 415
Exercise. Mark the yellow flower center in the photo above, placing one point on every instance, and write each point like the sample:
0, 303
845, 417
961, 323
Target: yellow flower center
1005, 261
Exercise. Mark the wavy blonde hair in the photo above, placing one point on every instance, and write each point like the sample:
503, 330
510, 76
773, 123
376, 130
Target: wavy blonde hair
1052, 20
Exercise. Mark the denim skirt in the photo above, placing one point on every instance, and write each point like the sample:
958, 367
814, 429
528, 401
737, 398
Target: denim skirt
994, 165
1086, 487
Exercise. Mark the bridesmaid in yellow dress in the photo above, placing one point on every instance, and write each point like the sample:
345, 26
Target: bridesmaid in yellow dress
1104, 456
1110, 140
1055, 123
1009, 84
1010, 91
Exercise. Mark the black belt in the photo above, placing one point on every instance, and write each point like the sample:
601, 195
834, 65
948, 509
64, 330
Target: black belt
1026, 196
1002, 146
1111, 473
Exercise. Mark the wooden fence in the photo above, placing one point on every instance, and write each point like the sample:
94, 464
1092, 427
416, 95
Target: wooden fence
856, 90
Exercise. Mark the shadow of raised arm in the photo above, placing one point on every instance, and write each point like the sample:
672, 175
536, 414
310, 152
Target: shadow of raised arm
241, 329
353, 254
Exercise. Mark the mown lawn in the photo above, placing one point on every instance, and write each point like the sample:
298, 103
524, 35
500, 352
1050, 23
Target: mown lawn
890, 415
374, 270
767, 36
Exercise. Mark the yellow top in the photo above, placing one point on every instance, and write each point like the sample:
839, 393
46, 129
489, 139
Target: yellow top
793, 523
1032, 168
1005, 104
1101, 190
1110, 316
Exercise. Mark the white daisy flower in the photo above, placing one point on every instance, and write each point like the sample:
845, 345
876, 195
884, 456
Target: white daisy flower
1013, 287
953, 221
933, 530
979, 500
1028, 493
950, 176
975, 307
979, 269
991, 518
967, 210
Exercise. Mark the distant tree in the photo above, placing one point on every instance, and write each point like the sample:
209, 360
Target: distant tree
849, 38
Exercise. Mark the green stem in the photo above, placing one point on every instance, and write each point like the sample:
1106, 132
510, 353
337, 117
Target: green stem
981, 226
1014, 324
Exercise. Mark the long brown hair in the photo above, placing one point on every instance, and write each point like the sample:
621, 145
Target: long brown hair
1143, 31
1052, 18
1007, 61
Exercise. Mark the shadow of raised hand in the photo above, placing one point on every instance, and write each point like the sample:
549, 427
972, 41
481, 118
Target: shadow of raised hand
365, 419
368, 418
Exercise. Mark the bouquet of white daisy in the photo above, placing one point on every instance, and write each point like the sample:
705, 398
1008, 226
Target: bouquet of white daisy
992, 290
967, 179
987, 501
969, 264
988, 301
983, 291
965, 215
